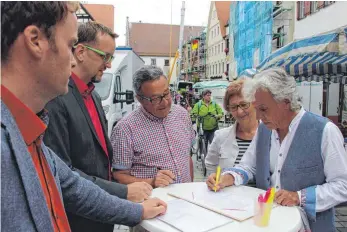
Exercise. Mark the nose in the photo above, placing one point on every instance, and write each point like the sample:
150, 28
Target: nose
73, 61
108, 65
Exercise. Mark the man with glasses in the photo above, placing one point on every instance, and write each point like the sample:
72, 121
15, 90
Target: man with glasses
152, 144
77, 130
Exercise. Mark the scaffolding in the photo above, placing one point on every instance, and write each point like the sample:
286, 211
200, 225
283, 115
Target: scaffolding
251, 26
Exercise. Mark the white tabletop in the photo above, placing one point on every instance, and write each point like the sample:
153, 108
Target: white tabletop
284, 219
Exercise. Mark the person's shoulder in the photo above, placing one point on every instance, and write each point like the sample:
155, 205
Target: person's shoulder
224, 131
130, 119
179, 110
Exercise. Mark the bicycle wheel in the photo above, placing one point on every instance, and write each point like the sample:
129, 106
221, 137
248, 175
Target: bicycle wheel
203, 156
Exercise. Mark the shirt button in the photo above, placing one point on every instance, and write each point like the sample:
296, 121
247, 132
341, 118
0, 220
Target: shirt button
281, 155
279, 171
277, 187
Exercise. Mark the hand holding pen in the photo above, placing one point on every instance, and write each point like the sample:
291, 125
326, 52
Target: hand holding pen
163, 178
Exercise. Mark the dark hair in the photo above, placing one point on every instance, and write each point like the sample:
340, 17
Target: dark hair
16, 16
146, 73
87, 32
206, 91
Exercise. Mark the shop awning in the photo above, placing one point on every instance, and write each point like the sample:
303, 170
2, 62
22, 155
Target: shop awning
318, 55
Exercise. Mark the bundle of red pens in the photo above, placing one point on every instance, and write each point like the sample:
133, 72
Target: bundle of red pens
263, 208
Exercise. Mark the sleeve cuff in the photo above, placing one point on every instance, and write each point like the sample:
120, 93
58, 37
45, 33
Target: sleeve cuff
240, 176
119, 167
308, 202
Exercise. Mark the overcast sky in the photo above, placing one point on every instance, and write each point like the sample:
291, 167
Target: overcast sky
156, 11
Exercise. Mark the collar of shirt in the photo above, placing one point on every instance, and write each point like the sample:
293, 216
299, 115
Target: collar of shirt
84, 89
31, 126
151, 116
294, 122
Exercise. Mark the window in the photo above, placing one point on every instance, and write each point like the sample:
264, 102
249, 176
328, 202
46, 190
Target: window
166, 62
219, 68
314, 6
222, 47
223, 67
153, 61
218, 30
280, 37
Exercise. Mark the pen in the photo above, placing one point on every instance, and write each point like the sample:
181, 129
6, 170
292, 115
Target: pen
217, 178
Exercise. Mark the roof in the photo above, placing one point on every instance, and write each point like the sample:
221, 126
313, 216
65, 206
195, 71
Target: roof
154, 39
101, 13
223, 10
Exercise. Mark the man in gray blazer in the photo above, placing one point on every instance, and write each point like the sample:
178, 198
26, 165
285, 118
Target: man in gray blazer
37, 187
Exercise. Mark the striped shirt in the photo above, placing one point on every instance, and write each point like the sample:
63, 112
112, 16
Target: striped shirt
243, 145
143, 144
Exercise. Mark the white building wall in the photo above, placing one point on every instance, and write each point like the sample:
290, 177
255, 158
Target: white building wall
326, 19
287, 20
216, 58
160, 62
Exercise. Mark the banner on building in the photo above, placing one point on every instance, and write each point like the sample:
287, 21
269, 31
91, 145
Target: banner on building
344, 108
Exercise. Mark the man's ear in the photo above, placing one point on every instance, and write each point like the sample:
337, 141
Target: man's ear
79, 52
287, 103
35, 41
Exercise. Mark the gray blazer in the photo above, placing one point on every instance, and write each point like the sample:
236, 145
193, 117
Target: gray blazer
23, 206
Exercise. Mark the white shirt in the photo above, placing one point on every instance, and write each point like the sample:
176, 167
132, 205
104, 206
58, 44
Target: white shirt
334, 156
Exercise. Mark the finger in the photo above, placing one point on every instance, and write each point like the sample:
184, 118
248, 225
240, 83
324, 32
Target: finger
165, 177
279, 194
210, 185
148, 186
162, 182
280, 199
167, 173
160, 210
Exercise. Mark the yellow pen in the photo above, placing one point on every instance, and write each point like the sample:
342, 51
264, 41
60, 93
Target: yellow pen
217, 178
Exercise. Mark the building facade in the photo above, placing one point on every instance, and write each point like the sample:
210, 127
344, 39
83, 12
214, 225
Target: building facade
152, 43
216, 32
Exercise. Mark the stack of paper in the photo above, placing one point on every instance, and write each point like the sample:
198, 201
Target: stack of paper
234, 206
188, 217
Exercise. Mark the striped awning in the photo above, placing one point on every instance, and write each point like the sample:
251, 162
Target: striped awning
317, 55
248, 72
328, 78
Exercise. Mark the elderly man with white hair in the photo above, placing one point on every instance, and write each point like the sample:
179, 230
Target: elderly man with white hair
297, 152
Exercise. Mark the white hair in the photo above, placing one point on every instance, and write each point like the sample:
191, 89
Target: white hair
276, 81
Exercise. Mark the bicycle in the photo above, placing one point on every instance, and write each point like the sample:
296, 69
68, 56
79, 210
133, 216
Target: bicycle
202, 144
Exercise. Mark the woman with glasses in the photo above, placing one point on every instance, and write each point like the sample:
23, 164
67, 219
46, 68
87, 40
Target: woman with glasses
229, 144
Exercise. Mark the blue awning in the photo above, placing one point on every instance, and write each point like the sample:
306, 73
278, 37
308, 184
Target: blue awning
248, 73
317, 55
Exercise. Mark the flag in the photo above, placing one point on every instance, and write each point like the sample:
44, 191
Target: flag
195, 44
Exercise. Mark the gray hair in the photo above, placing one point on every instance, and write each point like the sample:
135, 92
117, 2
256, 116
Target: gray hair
146, 73
275, 80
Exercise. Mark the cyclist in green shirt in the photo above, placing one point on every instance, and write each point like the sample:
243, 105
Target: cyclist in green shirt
210, 112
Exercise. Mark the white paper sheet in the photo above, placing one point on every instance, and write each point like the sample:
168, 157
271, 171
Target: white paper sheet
188, 217
235, 206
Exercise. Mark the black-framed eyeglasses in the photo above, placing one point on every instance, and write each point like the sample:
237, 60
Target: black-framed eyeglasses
157, 100
242, 105
107, 57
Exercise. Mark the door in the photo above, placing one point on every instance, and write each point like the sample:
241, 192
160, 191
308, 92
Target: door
316, 97
333, 102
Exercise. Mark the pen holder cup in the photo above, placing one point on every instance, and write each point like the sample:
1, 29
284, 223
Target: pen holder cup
262, 213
